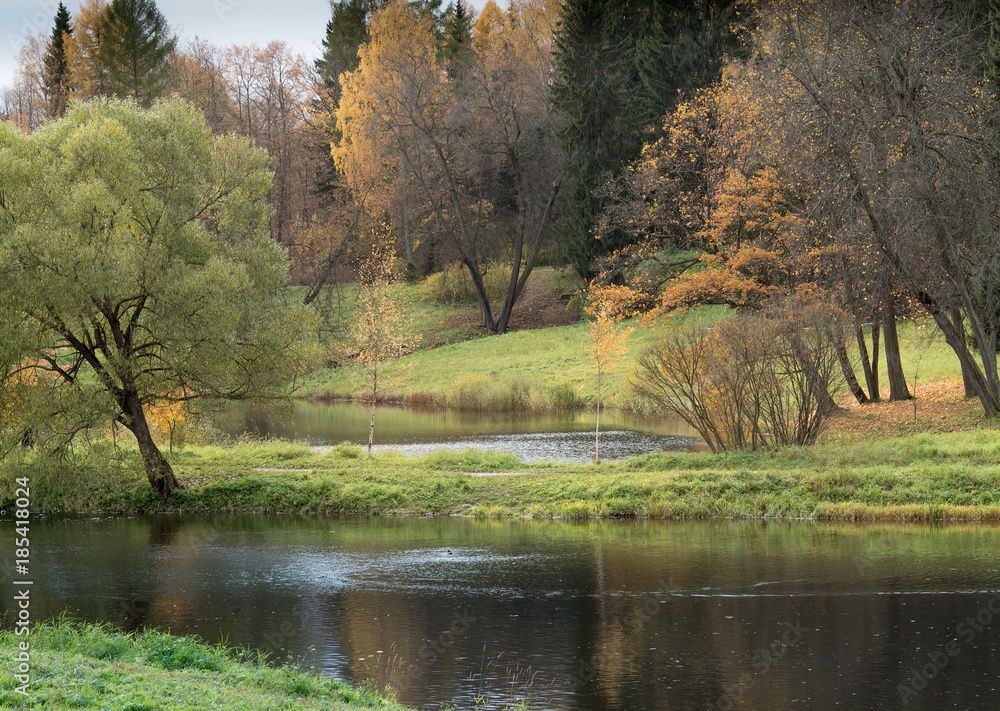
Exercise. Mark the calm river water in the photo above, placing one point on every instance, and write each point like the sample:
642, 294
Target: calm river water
604, 615
564, 436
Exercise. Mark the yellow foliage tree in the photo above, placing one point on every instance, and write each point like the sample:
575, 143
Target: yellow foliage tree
169, 415
608, 305
379, 330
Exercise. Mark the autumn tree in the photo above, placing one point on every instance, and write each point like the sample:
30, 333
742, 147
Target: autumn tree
379, 330
607, 341
134, 50
732, 204
24, 103
82, 49
918, 65
199, 77
618, 69
476, 151
269, 88
57, 86
135, 246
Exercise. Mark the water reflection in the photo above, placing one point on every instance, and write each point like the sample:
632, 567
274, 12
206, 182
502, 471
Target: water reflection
418, 431
607, 615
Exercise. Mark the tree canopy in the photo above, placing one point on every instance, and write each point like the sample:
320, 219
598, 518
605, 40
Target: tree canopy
134, 248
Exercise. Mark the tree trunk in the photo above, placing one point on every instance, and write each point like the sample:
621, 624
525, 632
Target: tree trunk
371, 430
848, 370
597, 432
869, 363
988, 396
371, 426
893, 362
967, 380
877, 393
158, 470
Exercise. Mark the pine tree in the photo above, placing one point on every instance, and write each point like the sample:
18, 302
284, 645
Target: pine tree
135, 49
56, 79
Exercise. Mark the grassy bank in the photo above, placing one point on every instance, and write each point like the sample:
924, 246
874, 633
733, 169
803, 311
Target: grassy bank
546, 363
546, 369
75, 665
946, 476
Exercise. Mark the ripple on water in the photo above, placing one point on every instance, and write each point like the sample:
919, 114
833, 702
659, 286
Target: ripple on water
558, 446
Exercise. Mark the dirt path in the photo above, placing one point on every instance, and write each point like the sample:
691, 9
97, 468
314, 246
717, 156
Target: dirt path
540, 306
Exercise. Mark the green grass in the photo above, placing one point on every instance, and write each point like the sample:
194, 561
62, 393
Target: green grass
553, 361
547, 359
435, 323
953, 476
76, 665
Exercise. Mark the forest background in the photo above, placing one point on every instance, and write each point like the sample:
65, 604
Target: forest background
776, 158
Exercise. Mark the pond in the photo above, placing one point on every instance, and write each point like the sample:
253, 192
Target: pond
568, 436
571, 616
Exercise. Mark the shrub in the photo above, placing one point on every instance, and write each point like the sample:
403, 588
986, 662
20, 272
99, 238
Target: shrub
499, 393
453, 285
757, 381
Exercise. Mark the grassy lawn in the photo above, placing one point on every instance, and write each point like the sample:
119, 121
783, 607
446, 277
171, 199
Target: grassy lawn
544, 359
943, 476
75, 665
547, 361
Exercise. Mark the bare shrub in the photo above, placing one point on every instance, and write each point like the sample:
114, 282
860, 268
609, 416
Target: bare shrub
759, 381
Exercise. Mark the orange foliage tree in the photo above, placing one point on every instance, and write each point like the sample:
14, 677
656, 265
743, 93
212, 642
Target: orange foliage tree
607, 306
470, 153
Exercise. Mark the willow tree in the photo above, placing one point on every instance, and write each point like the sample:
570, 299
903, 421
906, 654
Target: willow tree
135, 247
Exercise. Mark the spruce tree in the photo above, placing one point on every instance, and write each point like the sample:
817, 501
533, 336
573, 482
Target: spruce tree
135, 50
56, 79
345, 32
620, 66
457, 34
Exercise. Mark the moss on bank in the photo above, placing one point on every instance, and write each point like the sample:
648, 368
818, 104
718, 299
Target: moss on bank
75, 665
950, 476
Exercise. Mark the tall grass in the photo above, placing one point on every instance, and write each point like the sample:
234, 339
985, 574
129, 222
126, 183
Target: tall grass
80, 665
511, 392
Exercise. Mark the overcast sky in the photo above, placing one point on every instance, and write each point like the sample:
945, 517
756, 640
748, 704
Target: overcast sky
299, 23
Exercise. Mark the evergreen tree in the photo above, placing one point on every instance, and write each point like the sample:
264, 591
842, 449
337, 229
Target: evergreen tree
135, 49
345, 32
620, 67
56, 68
457, 34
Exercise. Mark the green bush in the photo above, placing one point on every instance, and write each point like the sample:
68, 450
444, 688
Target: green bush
453, 285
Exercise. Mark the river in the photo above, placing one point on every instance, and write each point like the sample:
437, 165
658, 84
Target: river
607, 615
566, 436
